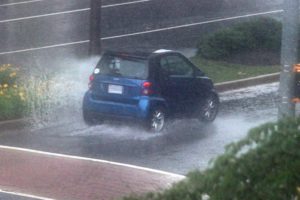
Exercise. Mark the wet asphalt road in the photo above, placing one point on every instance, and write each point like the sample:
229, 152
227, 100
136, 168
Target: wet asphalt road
15, 197
25, 27
185, 145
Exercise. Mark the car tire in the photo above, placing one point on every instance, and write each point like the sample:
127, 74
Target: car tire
88, 118
157, 120
209, 109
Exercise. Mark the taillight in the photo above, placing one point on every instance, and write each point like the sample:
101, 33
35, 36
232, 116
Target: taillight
147, 88
91, 79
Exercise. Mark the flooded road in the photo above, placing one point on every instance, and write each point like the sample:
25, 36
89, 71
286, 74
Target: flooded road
185, 145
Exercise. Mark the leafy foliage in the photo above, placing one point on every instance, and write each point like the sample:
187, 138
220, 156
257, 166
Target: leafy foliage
264, 165
257, 34
12, 94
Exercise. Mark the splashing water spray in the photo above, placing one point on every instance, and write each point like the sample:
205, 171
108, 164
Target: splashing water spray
55, 97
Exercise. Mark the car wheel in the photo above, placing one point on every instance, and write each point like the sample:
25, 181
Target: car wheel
88, 118
209, 108
157, 120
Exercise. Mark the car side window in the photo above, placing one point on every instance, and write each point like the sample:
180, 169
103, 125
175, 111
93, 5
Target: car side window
164, 69
176, 66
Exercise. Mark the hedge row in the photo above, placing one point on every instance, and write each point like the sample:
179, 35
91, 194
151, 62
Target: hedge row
264, 165
255, 35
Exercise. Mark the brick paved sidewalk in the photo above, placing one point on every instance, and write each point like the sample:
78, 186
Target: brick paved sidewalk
73, 178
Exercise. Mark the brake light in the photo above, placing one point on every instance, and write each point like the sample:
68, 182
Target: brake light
147, 88
91, 79
147, 84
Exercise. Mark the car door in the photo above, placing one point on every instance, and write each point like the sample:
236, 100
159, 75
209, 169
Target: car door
176, 80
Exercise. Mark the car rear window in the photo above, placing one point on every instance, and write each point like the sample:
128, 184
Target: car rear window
128, 67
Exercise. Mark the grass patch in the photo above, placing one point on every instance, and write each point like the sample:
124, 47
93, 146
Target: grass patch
220, 71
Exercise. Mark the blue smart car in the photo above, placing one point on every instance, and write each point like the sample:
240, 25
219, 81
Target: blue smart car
148, 87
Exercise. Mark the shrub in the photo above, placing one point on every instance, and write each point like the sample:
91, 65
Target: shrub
258, 34
265, 33
264, 165
24, 96
12, 94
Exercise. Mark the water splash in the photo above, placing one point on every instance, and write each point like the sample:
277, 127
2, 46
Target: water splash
55, 97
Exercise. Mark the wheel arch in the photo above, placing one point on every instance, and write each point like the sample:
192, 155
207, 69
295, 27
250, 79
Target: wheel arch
159, 104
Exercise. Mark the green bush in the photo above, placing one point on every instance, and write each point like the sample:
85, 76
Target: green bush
12, 94
264, 165
257, 34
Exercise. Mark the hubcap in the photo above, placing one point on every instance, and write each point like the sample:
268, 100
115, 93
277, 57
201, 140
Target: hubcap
210, 109
158, 120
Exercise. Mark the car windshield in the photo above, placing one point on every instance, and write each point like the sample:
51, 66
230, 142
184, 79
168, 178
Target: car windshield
123, 66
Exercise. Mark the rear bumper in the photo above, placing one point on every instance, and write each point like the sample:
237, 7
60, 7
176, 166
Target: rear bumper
140, 110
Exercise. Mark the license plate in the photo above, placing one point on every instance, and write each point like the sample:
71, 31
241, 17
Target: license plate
115, 89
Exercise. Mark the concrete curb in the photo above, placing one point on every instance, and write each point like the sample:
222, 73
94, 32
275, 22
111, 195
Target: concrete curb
242, 83
14, 124
220, 87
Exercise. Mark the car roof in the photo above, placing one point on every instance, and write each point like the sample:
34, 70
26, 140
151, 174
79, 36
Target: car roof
138, 54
